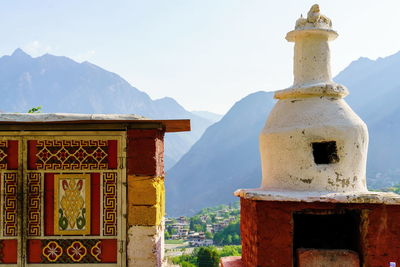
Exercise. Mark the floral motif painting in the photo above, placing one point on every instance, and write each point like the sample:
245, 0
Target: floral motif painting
72, 204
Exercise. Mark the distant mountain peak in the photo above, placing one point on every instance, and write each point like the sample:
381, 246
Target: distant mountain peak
167, 99
364, 59
20, 53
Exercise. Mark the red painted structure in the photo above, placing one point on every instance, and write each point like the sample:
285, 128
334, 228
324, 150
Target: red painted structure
267, 229
268, 232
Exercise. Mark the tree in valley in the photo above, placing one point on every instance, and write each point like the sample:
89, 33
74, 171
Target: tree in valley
207, 257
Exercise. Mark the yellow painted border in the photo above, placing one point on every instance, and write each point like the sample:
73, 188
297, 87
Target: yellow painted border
57, 178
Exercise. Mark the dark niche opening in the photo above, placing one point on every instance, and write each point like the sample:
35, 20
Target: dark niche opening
327, 231
325, 152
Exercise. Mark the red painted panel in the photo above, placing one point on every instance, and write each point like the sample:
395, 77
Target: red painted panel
10, 253
34, 251
95, 203
49, 204
109, 250
112, 154
12, 155
32, 150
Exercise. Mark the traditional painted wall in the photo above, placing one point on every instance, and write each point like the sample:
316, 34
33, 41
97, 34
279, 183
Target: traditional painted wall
82, 189
61, 199
76, 196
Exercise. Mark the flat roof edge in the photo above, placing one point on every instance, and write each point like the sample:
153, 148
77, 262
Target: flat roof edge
20, 119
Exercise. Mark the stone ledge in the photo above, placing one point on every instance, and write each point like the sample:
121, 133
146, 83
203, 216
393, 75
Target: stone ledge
366, 197
233, 261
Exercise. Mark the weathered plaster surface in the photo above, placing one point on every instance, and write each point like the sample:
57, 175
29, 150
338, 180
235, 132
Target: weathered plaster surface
145, 246
286, 146
311, 69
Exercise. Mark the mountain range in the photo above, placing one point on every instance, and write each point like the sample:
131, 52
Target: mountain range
219, 155
226, 157
59, 84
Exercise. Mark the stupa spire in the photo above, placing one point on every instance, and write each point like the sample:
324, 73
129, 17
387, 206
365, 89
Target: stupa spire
311, 61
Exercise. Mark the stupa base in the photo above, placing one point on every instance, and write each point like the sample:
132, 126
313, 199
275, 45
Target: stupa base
273, 232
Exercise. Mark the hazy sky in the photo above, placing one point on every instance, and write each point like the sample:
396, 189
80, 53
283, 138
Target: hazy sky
207, 54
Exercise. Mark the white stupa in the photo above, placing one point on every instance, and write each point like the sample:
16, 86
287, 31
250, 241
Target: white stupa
314, 146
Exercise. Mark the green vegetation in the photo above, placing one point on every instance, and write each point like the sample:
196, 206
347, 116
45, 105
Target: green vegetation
206, 256
35, 110
197, 225
186, 260
230, 251
395, 189
229, 235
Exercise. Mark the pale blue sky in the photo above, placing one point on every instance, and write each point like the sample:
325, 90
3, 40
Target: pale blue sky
207, 54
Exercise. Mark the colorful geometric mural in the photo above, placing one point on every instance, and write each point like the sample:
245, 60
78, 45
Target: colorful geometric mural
72, 154
72, 204
66, 201
52, 251
10, 218
73, 251
110, 204
34, 203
